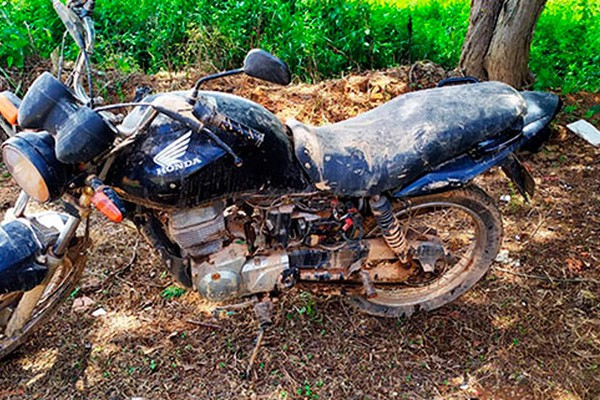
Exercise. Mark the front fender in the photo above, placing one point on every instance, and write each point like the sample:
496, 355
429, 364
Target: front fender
22, 241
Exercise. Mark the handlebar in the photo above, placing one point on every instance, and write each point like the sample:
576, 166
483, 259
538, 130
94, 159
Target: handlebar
83, 8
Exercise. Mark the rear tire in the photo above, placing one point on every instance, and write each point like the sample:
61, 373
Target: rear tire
401, 300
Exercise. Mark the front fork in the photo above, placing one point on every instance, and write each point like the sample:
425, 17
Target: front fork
54, 258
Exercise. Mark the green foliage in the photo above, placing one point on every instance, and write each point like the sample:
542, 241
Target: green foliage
172, 291
27, 27
318, 39
564, 53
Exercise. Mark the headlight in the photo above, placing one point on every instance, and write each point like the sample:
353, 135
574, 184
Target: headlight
30, 159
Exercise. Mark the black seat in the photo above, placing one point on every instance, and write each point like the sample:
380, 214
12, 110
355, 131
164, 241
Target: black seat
392, 144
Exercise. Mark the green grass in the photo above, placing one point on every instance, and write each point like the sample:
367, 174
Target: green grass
318, 39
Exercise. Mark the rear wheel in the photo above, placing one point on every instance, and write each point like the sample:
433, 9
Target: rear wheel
469, 226
59, 286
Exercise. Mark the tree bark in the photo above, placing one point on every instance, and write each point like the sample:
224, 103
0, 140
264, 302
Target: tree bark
499, 38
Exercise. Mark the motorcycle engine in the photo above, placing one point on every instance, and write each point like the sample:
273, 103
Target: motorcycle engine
223, 272
245, 248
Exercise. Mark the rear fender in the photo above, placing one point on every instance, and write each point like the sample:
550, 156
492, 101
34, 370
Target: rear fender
462, 170
453, 174
541, 109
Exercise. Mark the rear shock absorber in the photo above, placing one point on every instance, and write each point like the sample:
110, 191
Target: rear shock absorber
389, 225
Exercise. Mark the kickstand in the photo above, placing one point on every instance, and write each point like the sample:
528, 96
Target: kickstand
264, 313
217, 311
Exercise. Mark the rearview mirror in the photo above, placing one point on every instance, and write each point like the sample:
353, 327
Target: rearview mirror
72, 22
263, 65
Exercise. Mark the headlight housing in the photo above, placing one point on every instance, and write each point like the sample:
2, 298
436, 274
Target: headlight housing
31, 160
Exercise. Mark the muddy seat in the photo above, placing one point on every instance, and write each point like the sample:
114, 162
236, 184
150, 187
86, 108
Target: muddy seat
410, 135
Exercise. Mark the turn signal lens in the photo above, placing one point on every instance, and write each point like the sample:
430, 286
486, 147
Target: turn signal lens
106, 206
8, 110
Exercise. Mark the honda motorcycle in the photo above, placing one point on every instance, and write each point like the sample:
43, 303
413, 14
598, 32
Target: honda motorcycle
380, 208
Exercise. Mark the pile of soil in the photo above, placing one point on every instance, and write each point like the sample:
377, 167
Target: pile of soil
529, 329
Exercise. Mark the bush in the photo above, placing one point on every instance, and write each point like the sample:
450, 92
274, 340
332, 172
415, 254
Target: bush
319, 39
565, 52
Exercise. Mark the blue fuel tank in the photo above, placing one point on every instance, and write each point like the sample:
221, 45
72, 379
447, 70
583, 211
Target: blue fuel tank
170, 166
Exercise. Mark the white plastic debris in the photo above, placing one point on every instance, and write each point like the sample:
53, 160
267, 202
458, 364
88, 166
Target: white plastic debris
505, 198
99, 312
503, 257
586, 131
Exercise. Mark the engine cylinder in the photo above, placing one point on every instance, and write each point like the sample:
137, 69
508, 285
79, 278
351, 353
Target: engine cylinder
199, 231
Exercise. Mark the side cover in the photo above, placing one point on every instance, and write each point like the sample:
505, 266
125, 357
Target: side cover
170, 166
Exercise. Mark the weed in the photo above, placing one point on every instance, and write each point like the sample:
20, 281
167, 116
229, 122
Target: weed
172, 292
309, 305
74, 293
570, 109
319, 39
592, 111
307, 392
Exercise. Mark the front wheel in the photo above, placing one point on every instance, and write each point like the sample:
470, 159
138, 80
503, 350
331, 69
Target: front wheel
469, 226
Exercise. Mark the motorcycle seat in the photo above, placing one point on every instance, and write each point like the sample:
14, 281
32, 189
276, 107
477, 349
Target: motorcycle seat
405, 138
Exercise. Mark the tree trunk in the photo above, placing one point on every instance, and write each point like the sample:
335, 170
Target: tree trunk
498, 40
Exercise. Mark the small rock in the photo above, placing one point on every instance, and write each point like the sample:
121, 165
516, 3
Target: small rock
82, 304
503, 257
91, 285
99, 312
505, 198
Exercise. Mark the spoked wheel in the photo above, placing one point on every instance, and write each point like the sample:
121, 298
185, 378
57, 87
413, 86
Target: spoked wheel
58, 287
464, 229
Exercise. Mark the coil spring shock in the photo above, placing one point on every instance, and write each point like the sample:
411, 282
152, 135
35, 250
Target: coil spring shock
389, 225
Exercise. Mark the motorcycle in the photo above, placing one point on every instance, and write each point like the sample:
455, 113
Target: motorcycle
380, 207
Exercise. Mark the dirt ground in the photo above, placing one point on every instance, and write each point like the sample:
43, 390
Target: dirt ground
529, 330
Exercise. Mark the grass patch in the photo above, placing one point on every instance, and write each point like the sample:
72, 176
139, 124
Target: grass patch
318, 39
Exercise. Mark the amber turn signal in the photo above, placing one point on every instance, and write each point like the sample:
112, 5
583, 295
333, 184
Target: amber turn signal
106, 206
8, 110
